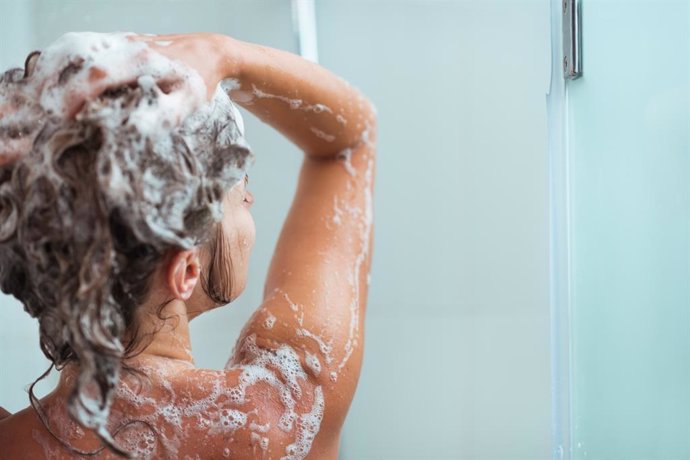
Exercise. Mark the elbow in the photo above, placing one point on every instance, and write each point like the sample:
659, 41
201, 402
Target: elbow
371, 118
368, 131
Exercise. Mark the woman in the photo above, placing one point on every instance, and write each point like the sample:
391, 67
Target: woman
116, 323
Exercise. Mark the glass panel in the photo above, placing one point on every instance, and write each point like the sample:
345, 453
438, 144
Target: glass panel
628, 131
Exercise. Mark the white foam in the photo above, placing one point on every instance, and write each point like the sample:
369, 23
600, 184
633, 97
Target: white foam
260, 428
346, 156
293, 305
337, 212
324, 347
269, 321
294, 103
297, 309
313, 364
365, 222
284, 359
322, 135
228, 420
309, 425
259, 440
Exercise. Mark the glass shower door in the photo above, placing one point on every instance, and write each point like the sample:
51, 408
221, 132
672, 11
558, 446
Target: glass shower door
623, 389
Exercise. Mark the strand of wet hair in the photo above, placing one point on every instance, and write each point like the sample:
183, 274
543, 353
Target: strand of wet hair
36, 405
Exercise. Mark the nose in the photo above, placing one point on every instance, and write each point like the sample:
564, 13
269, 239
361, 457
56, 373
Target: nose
250, 198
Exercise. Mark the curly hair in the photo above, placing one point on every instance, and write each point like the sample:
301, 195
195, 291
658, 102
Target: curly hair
91, 209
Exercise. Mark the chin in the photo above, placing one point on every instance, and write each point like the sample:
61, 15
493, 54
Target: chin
239, 291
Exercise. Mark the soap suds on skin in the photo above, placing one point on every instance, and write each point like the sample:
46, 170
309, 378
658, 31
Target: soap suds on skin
365, 225
309, 425
217, 412
322, 135
324, 347
364, 220
296, 308
313, 364
260, 428
294, 103
269, 321
361, 216
293, 305
346, 156
259, 440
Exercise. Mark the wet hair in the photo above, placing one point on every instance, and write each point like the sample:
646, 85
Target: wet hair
90, 211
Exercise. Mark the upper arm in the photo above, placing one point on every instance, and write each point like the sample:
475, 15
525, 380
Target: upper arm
316, 288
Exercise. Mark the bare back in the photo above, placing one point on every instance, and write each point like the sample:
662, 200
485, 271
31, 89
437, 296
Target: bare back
181, 413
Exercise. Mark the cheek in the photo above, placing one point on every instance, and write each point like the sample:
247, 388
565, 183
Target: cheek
248, 236
240, 227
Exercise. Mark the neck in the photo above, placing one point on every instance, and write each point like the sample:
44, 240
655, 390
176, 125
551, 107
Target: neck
166, 334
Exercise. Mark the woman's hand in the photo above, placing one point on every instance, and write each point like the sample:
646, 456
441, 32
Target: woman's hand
207, 53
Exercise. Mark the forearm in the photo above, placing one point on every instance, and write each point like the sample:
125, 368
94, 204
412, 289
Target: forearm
314, 108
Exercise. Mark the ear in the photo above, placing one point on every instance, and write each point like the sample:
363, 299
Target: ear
183, 273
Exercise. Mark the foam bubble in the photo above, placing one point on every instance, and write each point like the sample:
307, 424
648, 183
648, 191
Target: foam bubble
313, 364
269, 321
259, 440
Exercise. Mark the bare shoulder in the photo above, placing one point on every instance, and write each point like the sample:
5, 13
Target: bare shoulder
18, 433
265, 409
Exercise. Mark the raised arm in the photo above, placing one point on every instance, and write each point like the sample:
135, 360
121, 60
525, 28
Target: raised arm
317, 110
316, 289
